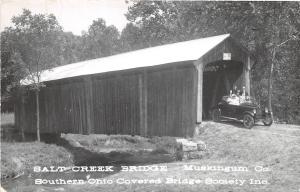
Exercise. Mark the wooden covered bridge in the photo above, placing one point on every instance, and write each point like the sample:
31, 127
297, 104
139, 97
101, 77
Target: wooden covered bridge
163, 90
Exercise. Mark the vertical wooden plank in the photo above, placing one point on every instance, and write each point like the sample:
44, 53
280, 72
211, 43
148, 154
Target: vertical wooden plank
141, 103
82, 113
187, 98
143, 92
199, 64
98, 107
170, 104
89, 105
194, 99
145, 103
149, 103
175, 86
115, 117
72, 113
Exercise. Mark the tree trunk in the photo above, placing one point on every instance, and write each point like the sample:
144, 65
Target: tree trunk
22, 115
37, 116
270, 83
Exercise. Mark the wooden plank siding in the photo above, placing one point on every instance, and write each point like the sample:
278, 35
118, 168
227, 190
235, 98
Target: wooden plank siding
116, 105
170, 101
64, 109
163, 100
28, 119
152, 101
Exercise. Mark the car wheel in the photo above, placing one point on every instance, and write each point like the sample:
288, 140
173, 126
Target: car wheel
248, 121
268, 120
216, 115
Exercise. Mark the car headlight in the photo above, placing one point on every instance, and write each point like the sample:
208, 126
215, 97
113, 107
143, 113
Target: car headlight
254, 111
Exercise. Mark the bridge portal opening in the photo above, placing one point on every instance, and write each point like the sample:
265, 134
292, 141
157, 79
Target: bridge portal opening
218, 79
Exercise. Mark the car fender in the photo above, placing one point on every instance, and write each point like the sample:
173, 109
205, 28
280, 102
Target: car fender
249, 113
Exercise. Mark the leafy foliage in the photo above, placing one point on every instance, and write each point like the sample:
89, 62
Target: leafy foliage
262, 27
100, 40
28, 47
259, 26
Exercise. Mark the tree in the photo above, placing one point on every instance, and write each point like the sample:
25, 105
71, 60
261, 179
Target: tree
31, 46
10, 73
131, 38
259, 26
100, 40
149, 24
282, 27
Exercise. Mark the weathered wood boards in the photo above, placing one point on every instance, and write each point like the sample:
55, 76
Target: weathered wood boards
170, 101
145, 102
199, 65
160, 100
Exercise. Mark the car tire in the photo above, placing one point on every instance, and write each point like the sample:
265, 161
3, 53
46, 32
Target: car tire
216, 115
248, 121
267, 121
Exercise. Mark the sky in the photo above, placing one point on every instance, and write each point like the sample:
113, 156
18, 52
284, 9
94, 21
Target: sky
73, 15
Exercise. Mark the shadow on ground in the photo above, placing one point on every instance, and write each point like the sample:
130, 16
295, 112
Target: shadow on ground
84, 157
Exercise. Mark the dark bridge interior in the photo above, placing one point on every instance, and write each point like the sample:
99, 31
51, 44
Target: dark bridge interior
218, 79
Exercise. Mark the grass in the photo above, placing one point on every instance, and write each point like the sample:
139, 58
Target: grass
276, 148
22, 157
272, 148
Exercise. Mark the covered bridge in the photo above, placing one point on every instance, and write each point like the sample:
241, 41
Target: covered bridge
162, 90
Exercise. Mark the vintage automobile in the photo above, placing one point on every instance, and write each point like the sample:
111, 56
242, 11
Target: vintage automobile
246, 110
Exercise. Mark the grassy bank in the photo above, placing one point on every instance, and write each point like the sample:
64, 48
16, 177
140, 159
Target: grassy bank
19, 158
